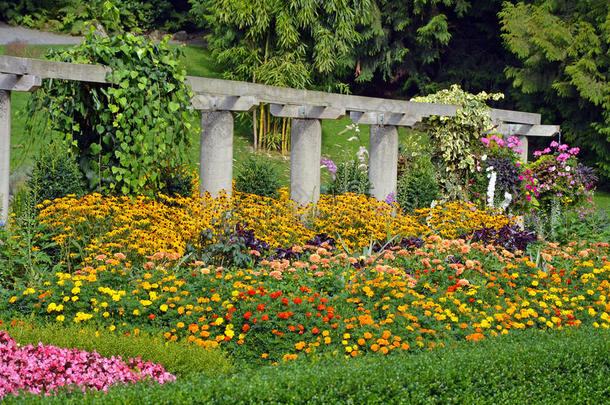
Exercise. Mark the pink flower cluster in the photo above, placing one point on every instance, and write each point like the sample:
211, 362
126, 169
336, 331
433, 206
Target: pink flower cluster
511, 143
42, 369
564, 151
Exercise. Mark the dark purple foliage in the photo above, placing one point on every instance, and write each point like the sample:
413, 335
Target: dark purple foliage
510, 237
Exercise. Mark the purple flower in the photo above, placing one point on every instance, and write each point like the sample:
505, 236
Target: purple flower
330, 165
390, 199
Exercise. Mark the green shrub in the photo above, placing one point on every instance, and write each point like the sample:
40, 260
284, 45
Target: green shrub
350, 177
177, 182
569, 366
417, 188
55, 174
176, 357
257, 176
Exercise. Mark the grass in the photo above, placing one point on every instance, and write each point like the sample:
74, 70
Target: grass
565, 367
602, 199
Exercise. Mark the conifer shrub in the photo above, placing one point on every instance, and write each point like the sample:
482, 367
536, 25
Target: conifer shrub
256, 176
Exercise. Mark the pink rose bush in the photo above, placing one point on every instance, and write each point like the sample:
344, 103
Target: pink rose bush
42, 369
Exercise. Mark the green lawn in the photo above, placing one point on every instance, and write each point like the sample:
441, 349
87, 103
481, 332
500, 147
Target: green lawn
602, 199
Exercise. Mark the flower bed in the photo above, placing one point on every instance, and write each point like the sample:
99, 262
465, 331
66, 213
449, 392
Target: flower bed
44, 369
329, 303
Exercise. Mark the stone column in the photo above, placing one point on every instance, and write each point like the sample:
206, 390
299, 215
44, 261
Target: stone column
523, 147
305, 152
383, 160
5, 152
216, 152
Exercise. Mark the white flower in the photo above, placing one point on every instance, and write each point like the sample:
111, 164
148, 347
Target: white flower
484, 158
491, 189
507, 199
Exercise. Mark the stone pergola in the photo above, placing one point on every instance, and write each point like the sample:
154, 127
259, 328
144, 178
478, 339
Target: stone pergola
218, 99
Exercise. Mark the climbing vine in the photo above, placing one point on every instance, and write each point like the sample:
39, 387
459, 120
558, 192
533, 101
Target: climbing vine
131, 132
453, 139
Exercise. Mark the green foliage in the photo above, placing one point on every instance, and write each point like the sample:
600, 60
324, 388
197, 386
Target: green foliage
73, 16
55, 174
125, 133
351, 177
257, 176
455, 140
178, 358
26, 249
417, 188
178, 182
280, 43
569, 366
226, 247
563, 49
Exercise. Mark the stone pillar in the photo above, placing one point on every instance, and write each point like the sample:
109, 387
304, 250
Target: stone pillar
305, 153
523, 147
5, 152
216, 152
383, 160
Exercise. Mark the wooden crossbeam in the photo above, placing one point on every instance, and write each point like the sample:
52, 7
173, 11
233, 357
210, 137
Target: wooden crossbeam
526, 130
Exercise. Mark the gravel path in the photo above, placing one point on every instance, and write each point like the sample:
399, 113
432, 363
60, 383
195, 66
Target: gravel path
10, 34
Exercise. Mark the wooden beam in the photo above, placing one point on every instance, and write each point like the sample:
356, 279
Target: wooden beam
306, 111
520, 117
12, 82
527, 130
48, 69
206, 102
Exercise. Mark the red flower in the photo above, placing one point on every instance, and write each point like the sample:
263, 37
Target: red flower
261, 307
285, 301
245, 328
276, 294
265, 317
251, 292
247, 315
151, 316
315, 331
297, 300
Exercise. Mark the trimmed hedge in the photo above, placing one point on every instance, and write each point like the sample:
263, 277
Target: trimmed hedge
570, 366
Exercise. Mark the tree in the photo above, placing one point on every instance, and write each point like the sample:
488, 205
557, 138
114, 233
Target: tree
296, 44
418, 47
564, 52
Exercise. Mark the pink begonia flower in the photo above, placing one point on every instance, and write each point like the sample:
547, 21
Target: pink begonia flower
485, 141
517, 150
574, 151
563, 147
546, 150
528, 197
42, 369
554, 144
538, 153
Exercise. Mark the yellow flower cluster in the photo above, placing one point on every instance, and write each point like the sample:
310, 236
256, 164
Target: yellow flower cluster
142, 226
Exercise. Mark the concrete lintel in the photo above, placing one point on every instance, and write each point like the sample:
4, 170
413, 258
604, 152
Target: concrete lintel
305, 153
216, 153
5, 151
306, 111
206, 102
385, 118
499, 115
527, 130
48, 69
13, 82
